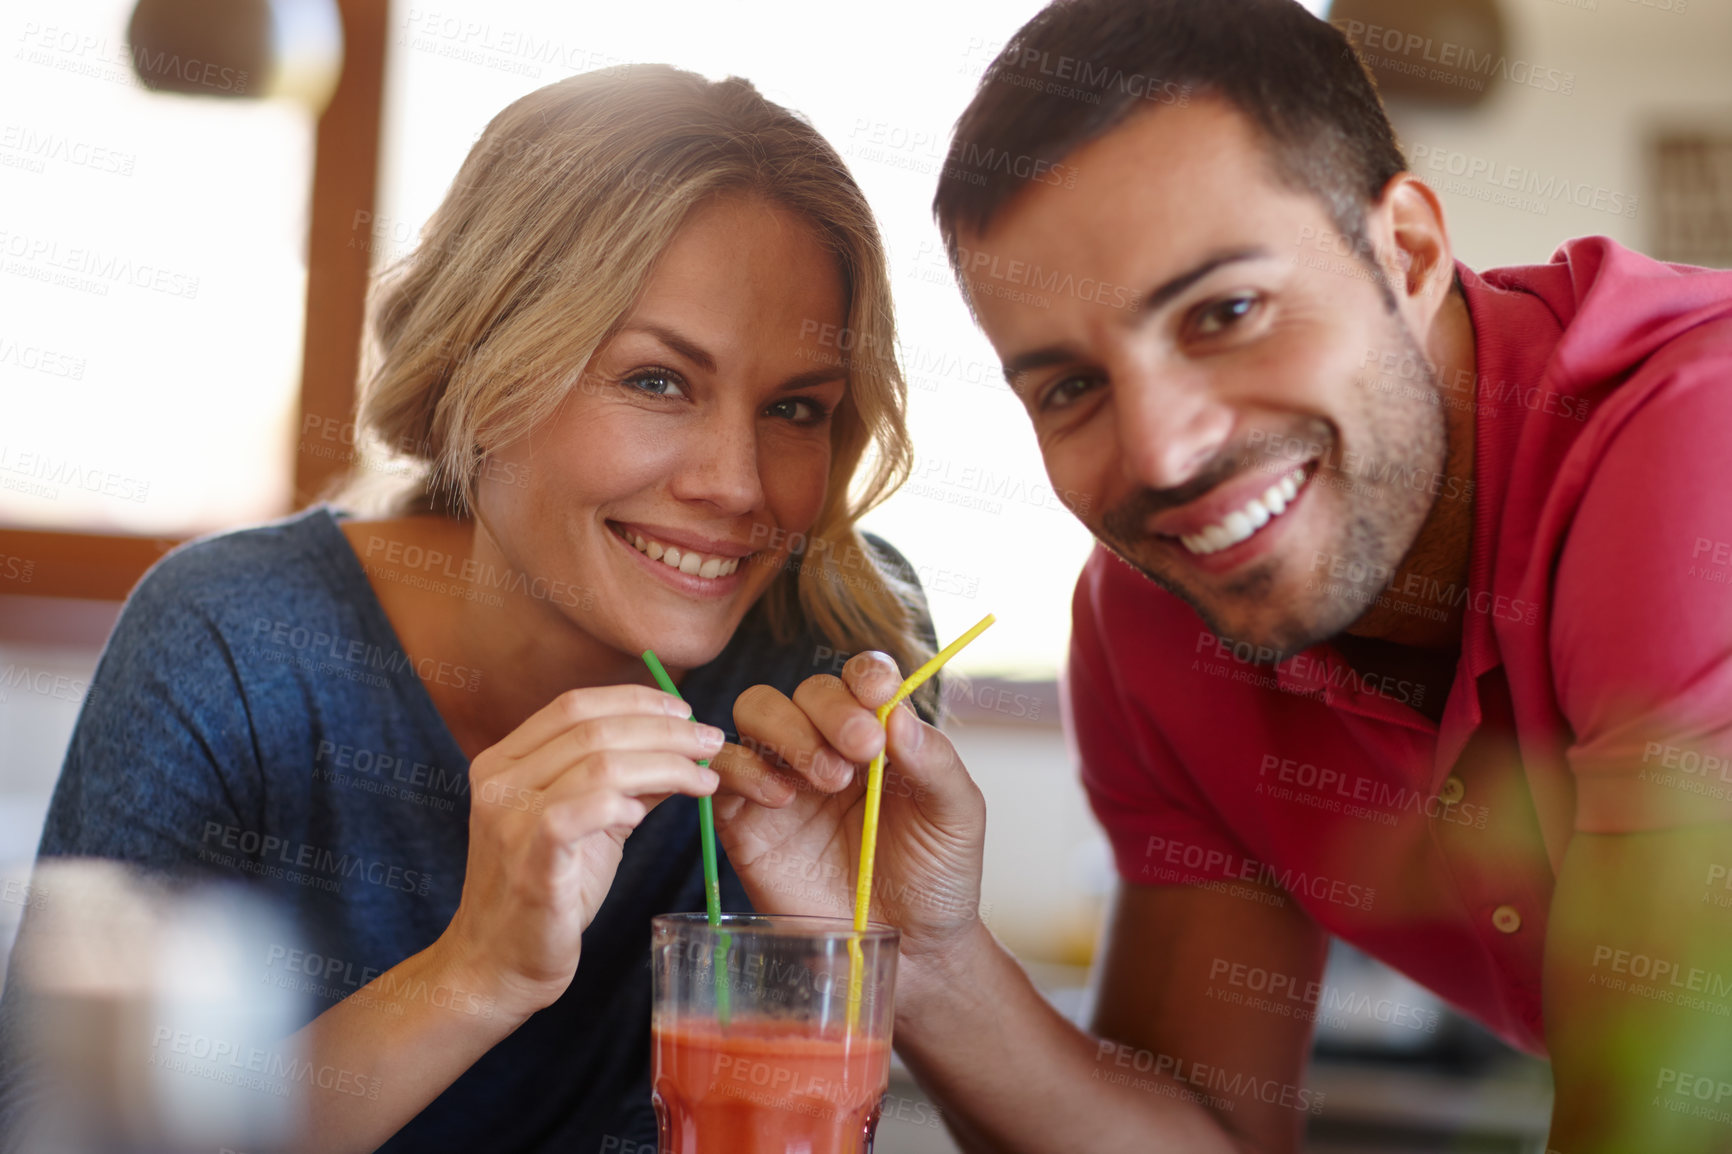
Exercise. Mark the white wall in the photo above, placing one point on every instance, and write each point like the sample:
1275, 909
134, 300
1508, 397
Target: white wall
1635, 66
1047, 866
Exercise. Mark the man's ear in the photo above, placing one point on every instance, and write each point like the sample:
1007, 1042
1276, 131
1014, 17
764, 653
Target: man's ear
1406, 224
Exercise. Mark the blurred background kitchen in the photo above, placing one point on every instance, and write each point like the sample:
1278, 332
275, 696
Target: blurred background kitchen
181, 278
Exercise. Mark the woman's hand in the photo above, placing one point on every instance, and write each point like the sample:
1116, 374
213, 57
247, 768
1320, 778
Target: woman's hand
550, 808
791, 820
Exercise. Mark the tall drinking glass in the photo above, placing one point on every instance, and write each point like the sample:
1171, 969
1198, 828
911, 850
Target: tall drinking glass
752, 1048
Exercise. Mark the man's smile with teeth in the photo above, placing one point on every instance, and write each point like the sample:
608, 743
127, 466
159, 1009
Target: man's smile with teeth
688, 561
1243, 523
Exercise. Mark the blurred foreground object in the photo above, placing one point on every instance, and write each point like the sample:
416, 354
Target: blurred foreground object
269, 49
151, 1023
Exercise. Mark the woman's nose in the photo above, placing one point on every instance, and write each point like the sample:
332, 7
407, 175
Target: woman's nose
719, 465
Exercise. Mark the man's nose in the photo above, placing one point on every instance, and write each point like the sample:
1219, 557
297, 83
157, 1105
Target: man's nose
1170, 425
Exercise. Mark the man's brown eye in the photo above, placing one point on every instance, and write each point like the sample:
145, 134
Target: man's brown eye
1066, 391
1222, 315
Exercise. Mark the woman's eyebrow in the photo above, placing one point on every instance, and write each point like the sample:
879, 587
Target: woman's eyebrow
684, 346
696, 354
813, 377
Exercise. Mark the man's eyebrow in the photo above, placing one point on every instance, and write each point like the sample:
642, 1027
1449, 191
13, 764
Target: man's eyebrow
695, 353
1153, 300
1161, 295
1040, 358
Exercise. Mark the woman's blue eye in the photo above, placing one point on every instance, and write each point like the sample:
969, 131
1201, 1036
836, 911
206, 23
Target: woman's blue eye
656, 382
799, 410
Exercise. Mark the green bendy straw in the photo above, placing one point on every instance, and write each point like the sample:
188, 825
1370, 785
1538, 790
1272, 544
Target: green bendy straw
707, 838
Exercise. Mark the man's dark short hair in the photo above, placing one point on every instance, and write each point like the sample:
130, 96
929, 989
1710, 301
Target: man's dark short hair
1080, 68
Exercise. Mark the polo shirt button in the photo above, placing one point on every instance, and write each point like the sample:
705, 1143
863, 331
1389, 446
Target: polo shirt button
1506, 919
1454, 789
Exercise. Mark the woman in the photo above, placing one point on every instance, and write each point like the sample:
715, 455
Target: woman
612, 365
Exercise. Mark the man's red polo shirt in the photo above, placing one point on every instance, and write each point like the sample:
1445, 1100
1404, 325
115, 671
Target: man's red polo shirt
1594, 690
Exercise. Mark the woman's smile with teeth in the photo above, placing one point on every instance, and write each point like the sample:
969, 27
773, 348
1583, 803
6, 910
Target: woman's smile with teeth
1243, 523
687, 561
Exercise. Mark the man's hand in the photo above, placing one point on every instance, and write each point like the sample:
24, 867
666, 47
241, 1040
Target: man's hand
791, 807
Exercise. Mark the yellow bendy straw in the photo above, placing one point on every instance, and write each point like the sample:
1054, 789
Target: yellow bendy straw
874, 794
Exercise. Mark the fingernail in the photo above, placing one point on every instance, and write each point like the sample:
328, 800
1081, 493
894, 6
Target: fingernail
859, 730
710, 737
823, 767
832, 769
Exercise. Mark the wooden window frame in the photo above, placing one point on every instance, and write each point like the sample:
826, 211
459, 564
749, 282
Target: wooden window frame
105, 567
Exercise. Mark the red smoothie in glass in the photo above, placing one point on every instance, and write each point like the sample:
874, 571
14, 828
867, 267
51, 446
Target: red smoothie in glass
767, 1087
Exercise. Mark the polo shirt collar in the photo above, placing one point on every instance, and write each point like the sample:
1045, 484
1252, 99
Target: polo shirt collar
1321, 671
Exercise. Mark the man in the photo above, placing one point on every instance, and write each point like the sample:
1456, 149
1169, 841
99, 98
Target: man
1407, 622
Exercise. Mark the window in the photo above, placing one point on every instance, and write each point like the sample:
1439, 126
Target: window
152, 280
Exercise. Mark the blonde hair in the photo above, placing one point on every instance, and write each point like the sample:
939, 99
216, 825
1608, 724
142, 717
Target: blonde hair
536, 255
